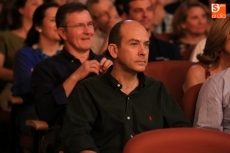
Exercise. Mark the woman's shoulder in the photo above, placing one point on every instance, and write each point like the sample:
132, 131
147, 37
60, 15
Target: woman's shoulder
197, 69
11, 40
26, 51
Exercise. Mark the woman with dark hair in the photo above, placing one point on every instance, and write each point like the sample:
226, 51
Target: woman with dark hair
215, 56
15, 21
42, 41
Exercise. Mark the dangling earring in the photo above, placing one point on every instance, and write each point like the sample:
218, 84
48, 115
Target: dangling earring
39, 30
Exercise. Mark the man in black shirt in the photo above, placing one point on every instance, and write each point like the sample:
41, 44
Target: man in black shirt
142, 11
54, 78
105, 111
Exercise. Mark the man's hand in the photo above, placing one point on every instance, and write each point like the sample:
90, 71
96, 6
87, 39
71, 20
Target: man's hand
104, 65
92, 66
89, 66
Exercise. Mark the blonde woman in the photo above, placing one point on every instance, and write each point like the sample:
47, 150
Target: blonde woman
190, 25
216, 55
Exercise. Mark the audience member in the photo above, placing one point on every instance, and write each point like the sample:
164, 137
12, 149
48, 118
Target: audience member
190, 25
54, 78
213, 105
105, 15
215, 57
162, 21
42, 41
200, 46
119, 7
132, 102
59, 2
142, 11
15, 21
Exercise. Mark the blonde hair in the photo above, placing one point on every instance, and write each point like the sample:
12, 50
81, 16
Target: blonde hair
216, 41
181, 14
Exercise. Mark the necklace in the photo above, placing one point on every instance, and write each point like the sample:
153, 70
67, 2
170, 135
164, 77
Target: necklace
42, 55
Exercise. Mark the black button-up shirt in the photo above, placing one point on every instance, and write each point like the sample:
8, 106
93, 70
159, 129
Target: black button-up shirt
102, 118
160, 50
46, 82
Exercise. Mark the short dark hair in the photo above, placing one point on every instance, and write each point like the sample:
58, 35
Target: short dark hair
115, 35
66, 9
89, 4
38, 16
126, 6
10, 17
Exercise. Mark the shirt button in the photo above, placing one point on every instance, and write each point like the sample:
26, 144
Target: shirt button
128, 118
72, 61
128, 98
118, 85
131, 136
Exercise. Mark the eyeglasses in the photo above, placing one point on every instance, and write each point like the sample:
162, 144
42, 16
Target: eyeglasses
81, 25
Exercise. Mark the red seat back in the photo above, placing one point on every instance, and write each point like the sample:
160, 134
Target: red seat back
171, 73
179, 140
189, 101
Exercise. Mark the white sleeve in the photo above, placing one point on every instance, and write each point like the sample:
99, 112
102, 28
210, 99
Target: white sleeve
197, 50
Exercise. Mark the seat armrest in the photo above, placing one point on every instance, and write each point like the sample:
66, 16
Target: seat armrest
37, 124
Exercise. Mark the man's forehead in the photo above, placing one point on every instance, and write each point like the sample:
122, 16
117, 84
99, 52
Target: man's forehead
138, 39
79, 17
133, 30
131, 24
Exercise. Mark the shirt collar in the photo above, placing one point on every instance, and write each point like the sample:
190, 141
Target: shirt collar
70, 57
152, 37
114, 83
43, 55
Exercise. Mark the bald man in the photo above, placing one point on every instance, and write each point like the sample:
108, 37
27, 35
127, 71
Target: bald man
104, 112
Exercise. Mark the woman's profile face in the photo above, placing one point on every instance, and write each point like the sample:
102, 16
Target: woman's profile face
48, 27
28, 10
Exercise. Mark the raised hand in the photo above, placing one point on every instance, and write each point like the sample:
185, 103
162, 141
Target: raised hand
104, 65
86, 68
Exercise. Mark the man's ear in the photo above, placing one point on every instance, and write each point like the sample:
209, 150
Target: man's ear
183, 26
113, 50
62, 32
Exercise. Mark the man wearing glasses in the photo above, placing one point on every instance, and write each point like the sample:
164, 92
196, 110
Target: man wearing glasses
54, 79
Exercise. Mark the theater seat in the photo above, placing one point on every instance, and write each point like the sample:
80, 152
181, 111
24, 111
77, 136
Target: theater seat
189, 101
171, 73
28, 143
179, 140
